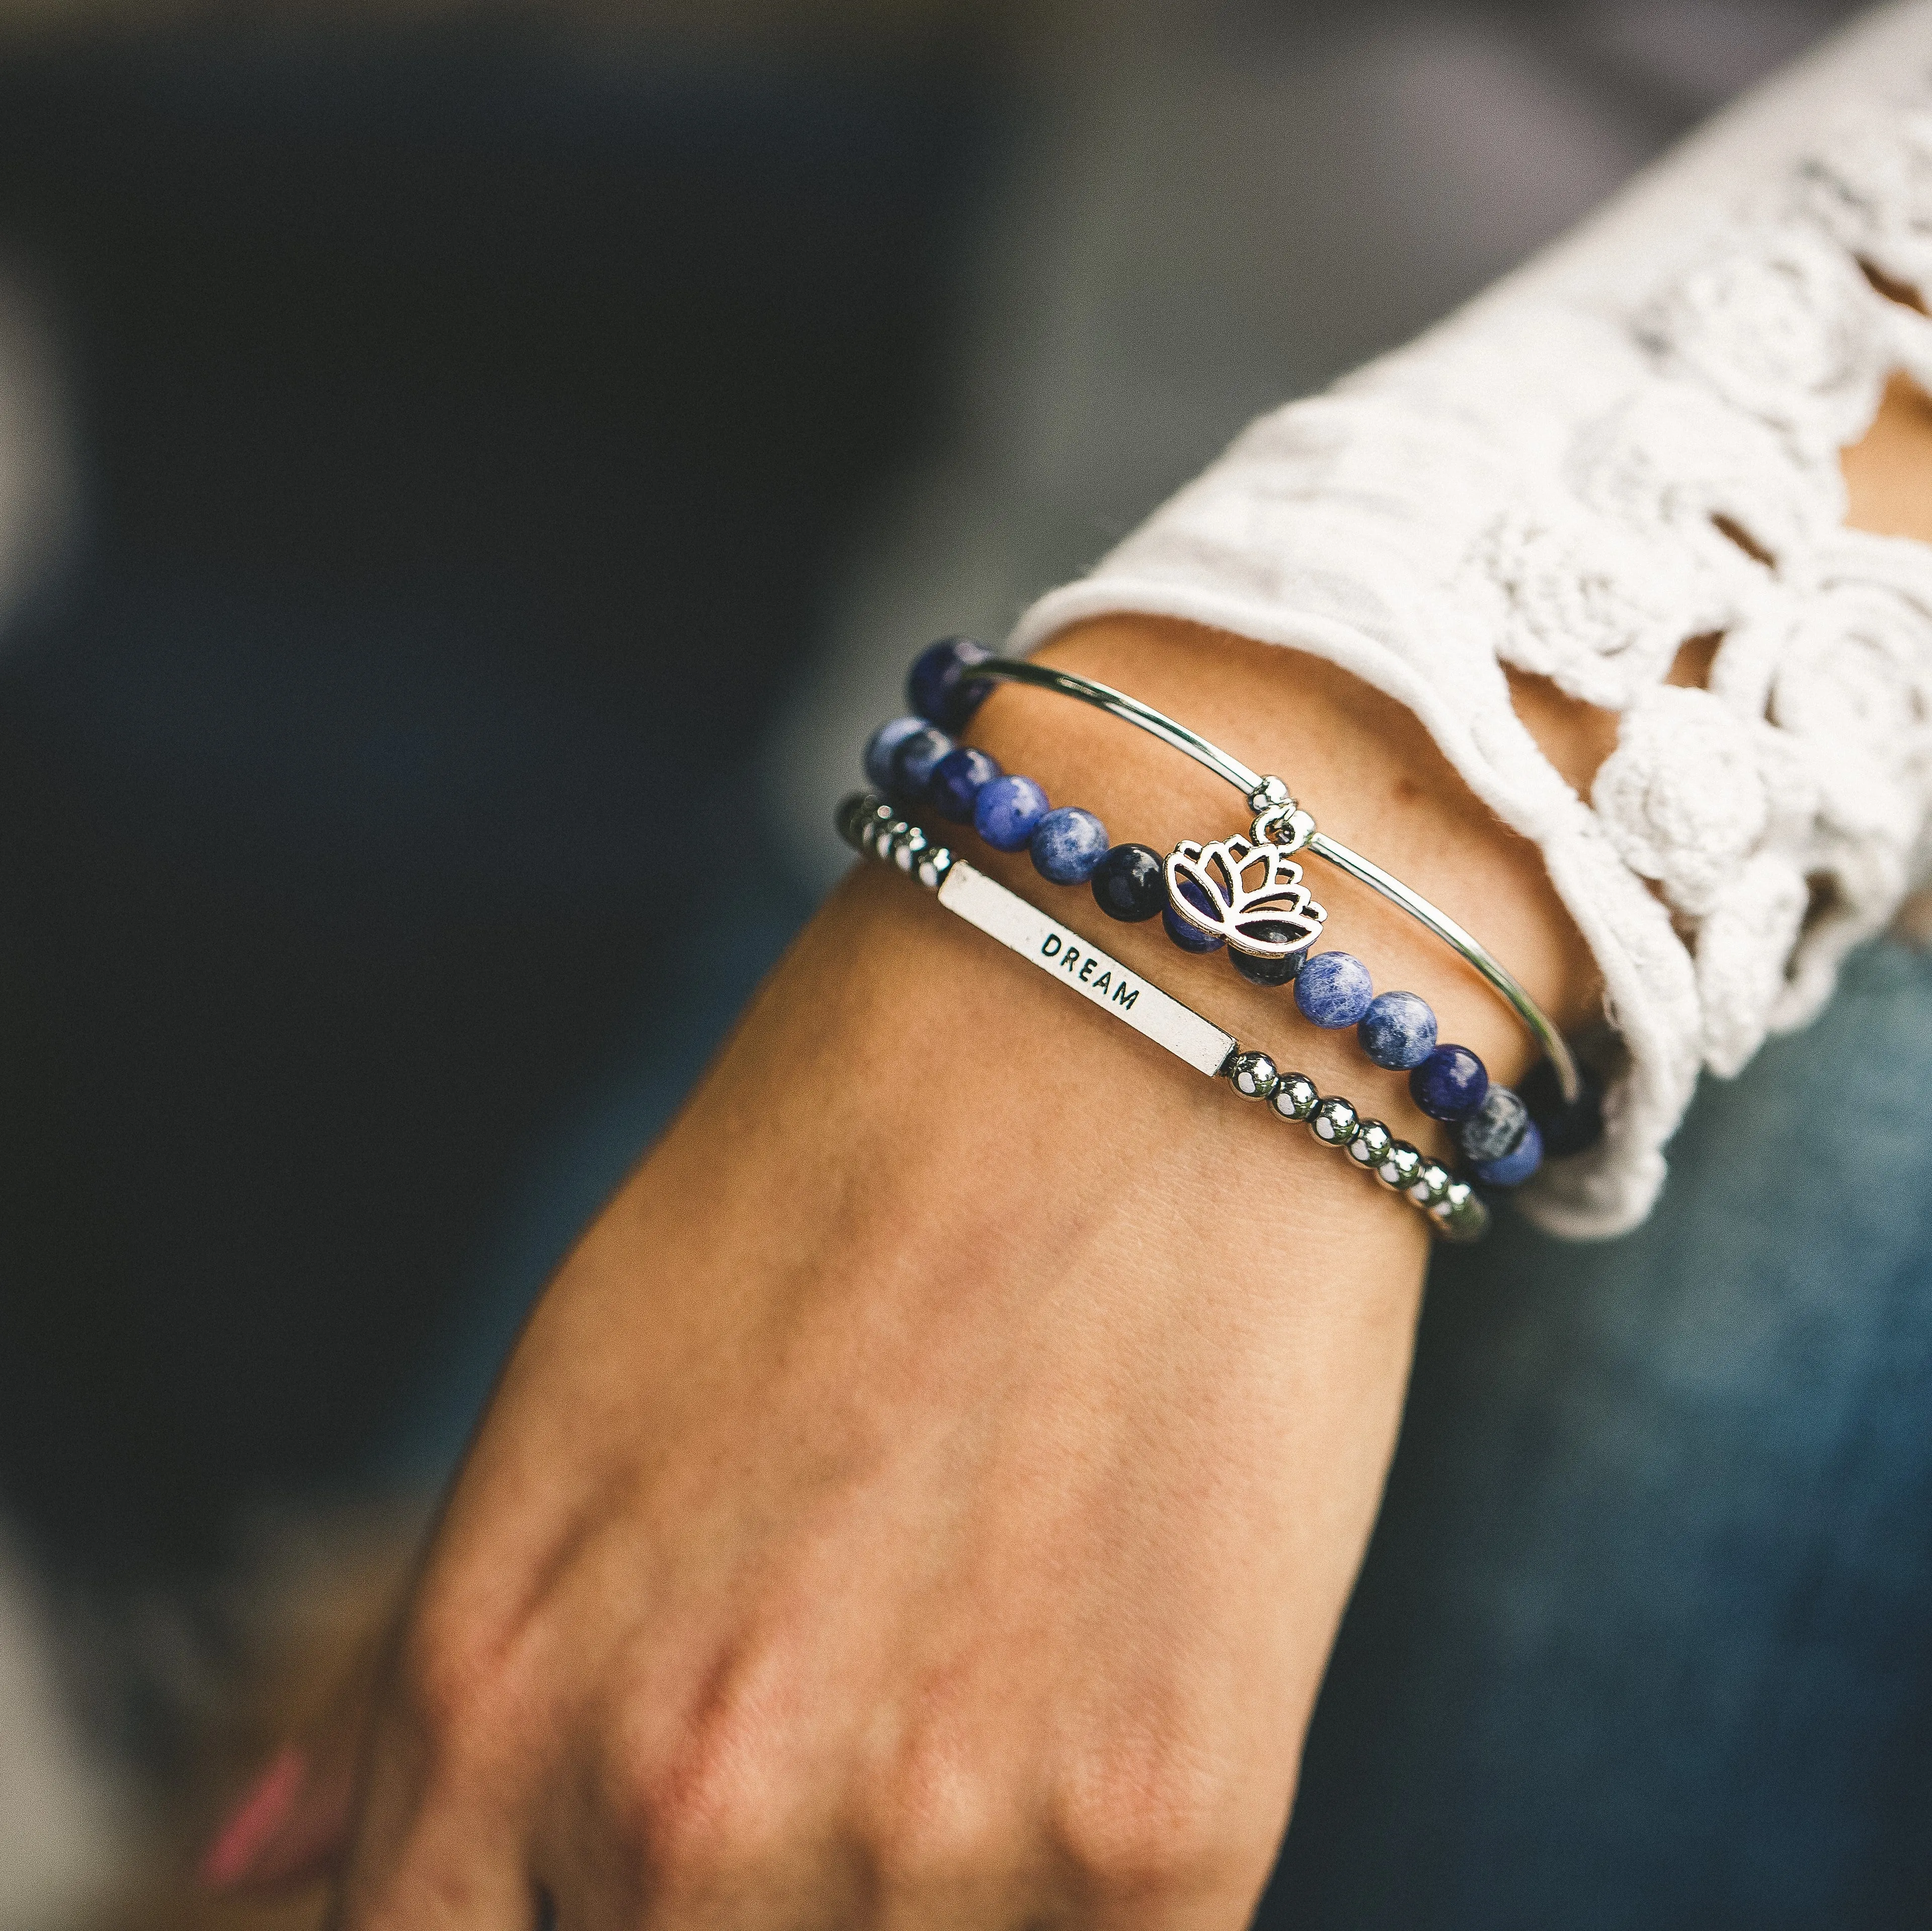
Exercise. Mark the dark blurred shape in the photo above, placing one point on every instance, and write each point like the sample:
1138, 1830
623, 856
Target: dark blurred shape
472, 418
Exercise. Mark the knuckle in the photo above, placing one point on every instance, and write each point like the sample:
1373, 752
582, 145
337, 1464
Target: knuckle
1149, 1818
455, 1685
939, 1820
713, 1805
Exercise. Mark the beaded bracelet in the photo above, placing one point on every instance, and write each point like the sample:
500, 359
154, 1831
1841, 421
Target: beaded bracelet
1453, 1207
1203, 898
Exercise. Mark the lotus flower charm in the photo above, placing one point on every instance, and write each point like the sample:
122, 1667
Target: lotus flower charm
1250, 895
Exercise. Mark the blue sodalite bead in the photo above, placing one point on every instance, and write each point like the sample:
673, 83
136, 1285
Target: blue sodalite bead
1495, 1127
1189, 937
915, 760
1449, 1084
1334, 989
1568, 1126
1398, 1030
934, 688
1066, 844
954, 786
1516, 1166
1128, 883
1007, 811
882, 744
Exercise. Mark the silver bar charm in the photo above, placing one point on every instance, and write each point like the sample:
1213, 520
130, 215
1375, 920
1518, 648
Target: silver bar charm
1025, 929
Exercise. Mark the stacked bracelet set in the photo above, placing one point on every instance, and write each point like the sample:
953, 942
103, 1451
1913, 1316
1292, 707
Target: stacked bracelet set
1244, 894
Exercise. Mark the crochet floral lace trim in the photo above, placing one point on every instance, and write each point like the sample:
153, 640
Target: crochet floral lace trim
1583, 471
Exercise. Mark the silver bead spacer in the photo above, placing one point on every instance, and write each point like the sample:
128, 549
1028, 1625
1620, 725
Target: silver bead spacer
1270, 794
1294, 1097
1252, 1075
1371, 1144
933, 864
1399, 1167
1432, 1182
1334, 1123
908, 847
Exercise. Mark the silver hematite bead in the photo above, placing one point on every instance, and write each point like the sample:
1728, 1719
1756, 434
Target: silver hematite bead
906, 849
850, 816
1294, 1097
1432, 1182
1334, 1123
1462, 1214
1400, 1167
1370, 1146
934, 865
1252, 1075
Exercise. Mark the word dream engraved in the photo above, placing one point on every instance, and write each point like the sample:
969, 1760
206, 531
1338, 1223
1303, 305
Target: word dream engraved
1024, 928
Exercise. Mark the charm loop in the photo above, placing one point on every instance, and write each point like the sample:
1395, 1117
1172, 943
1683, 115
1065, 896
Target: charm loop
1283, 825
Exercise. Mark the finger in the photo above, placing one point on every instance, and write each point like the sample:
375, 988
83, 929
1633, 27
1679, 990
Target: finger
456, 1870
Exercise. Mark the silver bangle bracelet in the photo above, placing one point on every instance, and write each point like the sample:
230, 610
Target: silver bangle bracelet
1280, 822
1454, 1208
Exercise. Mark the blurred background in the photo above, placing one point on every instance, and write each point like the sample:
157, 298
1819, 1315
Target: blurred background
457, 464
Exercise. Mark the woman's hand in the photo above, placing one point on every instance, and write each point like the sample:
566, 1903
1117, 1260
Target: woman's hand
927, 1493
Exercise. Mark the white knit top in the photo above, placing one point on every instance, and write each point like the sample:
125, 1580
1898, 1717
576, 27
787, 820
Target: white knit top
1631, 443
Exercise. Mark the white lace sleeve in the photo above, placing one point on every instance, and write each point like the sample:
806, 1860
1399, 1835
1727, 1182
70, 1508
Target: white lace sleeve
1632, 442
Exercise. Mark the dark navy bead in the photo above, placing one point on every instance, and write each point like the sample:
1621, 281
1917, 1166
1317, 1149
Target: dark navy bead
1495, 1126
1449, 1084
1515, 1167
934, 685
1190, 938
915, 760
1008, 811
1568, 1126
1333, 989
881, 744
954, 786
1129, 883
1398, 1030
1259, 971
1066, 845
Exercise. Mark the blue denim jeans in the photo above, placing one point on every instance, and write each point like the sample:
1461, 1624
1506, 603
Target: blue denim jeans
1644, 1638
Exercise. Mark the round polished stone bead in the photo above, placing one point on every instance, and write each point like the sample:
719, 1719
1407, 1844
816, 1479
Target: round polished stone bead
1128, 883
1450, 1084
932, 867
1370, 1146
880, 746
917, 758
1066, 844
1495, 1126
1259, 971
1516, 1166
953, 789
1185, 933
1431, 1183
1399, 1166
1568, 1126
1252, 1075
1294, 1097
1333, 989
936, 687
1398, 1030
1334, 1122
1008, 812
